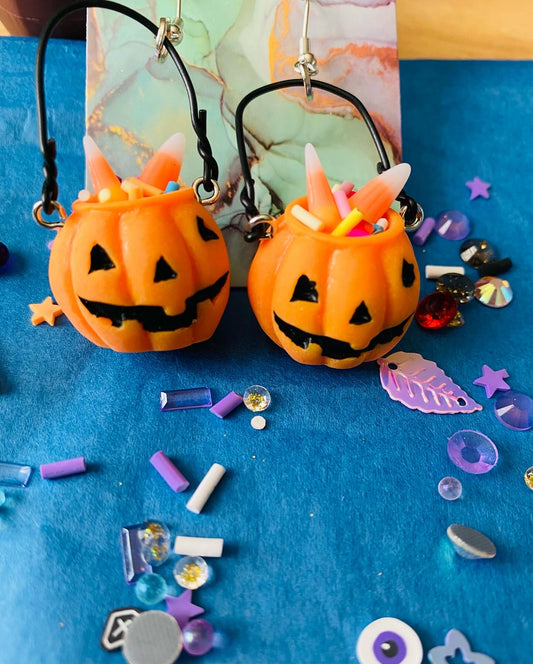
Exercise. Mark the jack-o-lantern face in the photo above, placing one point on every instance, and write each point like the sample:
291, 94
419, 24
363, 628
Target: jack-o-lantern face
150, 274
338, 301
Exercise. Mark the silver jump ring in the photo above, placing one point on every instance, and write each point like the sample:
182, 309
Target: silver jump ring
210, 199
262, 219
37, 212
417, 221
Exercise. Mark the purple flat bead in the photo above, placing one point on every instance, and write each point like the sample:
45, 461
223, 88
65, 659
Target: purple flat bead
472, 451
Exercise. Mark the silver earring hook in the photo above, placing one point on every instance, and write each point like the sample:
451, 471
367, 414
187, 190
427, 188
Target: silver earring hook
306, 64
173, 29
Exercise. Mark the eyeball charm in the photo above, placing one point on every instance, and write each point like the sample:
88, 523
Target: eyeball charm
389, 641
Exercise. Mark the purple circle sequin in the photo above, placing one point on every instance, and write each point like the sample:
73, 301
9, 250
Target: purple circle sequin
514, 410
389, 648
198, 637
472, 451
452, 225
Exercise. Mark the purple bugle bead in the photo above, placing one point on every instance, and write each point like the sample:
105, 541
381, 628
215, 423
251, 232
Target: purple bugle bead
168, 471
51, 471
226, 405
422, 234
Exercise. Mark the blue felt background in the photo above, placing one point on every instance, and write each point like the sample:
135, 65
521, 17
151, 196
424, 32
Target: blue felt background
331, 515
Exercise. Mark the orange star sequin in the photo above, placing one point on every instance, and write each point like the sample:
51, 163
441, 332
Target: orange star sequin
45, 311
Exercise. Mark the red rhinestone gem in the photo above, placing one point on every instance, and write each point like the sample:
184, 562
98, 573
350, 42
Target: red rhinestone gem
436, 310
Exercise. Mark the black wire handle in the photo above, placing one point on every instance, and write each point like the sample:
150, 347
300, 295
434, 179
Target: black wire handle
48, 201
410, 209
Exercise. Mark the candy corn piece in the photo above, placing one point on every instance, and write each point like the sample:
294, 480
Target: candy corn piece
165, 164
101, 174
374, 199
320, 200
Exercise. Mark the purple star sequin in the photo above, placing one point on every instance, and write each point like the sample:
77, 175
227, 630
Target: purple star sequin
181, 608
478, 188
492, 380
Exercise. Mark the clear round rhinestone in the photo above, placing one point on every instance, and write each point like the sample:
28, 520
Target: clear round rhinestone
514, 410
460, 286
452, 225
493, 292
476, 252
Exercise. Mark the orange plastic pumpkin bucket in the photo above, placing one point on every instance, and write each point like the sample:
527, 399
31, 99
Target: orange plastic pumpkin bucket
136, 269
337, 301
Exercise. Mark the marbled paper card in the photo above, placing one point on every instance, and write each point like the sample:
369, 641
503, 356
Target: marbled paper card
230, 47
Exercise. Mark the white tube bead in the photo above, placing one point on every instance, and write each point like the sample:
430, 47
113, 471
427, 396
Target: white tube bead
436, 271
205, 488
207, 547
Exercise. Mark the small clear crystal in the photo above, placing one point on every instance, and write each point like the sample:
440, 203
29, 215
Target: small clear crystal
256, 398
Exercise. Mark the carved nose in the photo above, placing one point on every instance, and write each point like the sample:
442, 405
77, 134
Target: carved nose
361, 315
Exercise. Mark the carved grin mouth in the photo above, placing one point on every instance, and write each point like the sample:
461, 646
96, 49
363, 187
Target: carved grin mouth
334, 348
154, 318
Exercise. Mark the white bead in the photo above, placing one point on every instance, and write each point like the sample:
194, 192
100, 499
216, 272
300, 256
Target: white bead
258, 422
436, 271
207, 547
205, 488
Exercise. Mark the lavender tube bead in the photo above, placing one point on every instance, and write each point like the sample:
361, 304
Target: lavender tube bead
226, 405
422, 234
50, 471
168, 471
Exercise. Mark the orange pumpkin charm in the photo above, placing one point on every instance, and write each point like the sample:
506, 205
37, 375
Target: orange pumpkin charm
338, 301
150, 274
136, 269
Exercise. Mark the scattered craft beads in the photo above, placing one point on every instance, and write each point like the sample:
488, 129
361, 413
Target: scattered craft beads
472, 451
51, 471
435, 271
207, 547
168, 471
155, 542
191, 572
205, 488
258, 422
470, 543
450, 488
226, 405
198, 637
256, 398
15, 474
151, 589
154, 637
196, 397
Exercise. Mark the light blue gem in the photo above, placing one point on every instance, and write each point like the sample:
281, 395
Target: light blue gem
14, 474
172, 186
151, 589
196, 397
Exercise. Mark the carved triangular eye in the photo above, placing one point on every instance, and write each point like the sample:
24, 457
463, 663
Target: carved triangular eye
100, 259
408, 274
205, 233
305, 290
361, 315
163, 271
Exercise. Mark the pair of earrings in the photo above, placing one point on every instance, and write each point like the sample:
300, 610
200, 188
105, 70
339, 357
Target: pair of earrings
141, 265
